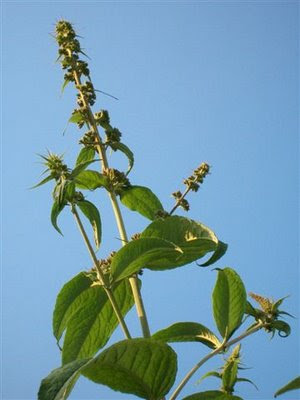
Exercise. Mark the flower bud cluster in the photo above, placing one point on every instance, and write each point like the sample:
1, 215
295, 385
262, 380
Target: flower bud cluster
104, 264
181, 201
56, 166
88, 139
88, 92
117, 179
193, 182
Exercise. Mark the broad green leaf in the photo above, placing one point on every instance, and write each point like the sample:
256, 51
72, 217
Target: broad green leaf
194, 238
80, 167
91, 180
188, 332
45, 180
55, 211
143, 367
92, 214
218, 253
138, 253
58, 384
212, 395
76, 117
129, 154
142, 200
86, 154
292, 385
229, 301
89, 327
68, 301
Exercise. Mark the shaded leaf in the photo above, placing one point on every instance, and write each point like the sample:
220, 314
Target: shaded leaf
124, 149
188, 332
229, 301
142, 200
85, 154
91, 180
292, 385
143, 367
217, 254
55, 211
92, 214
90, 326
137, 254
45, 180
247, 380
58, 384
68, 301
212, 395
284, 329
194, 238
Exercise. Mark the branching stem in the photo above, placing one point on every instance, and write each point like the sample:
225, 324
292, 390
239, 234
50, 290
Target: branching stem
116, 209
224, 345
100, 274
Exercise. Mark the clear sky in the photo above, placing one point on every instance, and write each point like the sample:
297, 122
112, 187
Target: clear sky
213, 81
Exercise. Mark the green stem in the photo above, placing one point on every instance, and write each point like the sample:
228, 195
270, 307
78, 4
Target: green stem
117, 212
100, 274
212, 354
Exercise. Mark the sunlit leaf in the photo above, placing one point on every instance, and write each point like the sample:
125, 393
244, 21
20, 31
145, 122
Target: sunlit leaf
45, 180
229, 301
143, 367
76, 117
66, 81
90, 325
137, 254
142, 200
188, 332
80, 167
194, 238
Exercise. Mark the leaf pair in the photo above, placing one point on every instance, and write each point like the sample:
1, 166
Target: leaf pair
143, 367
165, 244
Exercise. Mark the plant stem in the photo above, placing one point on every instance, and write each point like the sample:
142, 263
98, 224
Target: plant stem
212, 354
117, 212
100, 274
179, 200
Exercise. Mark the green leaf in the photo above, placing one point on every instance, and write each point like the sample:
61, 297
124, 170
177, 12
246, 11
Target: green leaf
194, 238
66, 81
142, 200
58, 384
292, 385
208, 374
76, 117
188, 332
80, 167
90, 326
229, 375
91, 180
143, 367
246, 380
55, 211
68, 301
45, 180
284, 329
218, 253
138, 253
212, 395
129, 154
86, 154
229, 302
92, 214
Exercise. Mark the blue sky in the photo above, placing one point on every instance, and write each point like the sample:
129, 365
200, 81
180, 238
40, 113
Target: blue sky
213, 81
